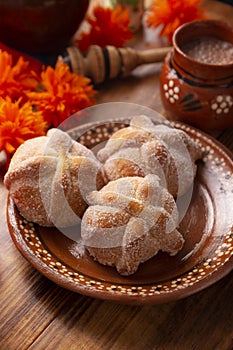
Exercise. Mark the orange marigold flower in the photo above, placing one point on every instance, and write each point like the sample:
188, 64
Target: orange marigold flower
17, 78
108, 27
18, 123
170, 14
62, 94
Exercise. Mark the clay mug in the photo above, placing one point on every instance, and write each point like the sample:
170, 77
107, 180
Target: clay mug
196, 81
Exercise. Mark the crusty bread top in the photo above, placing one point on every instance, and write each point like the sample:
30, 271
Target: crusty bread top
128, 221
55, 173
144, 148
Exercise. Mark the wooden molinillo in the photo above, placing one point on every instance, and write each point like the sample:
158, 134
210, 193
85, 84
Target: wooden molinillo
102, 64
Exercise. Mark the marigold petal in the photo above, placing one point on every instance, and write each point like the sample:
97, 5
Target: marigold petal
170, 14
18, 123
63, 93
108, 27
15, 78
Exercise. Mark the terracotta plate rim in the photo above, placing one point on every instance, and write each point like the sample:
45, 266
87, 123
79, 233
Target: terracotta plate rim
139, 298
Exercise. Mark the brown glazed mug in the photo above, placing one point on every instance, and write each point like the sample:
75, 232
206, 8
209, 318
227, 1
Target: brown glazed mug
196, 84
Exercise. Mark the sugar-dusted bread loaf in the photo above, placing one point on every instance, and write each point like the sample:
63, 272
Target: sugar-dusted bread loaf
49, 177
128, 221
144, 148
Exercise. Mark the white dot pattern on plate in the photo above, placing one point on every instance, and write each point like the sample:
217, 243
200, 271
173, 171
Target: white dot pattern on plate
97, 135
193, 276
205, 268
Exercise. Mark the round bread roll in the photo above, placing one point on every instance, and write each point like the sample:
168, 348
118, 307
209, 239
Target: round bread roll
128, 221
143, 148
49, 178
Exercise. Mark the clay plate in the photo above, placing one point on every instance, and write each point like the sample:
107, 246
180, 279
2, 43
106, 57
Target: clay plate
207, 227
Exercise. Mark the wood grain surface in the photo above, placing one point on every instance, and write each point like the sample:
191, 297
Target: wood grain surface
37, 314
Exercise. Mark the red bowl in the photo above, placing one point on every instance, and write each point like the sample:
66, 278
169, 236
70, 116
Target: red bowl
40, 27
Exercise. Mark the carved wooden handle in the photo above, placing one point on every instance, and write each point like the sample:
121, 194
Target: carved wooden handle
102, 64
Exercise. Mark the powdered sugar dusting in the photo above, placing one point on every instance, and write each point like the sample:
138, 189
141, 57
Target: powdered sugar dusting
51, 169
125, 213
167, 152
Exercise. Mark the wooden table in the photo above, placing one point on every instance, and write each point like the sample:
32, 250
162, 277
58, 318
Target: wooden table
37, 314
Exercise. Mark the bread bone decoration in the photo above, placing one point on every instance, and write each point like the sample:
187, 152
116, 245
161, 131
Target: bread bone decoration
145, 148
49, 177
128, 221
